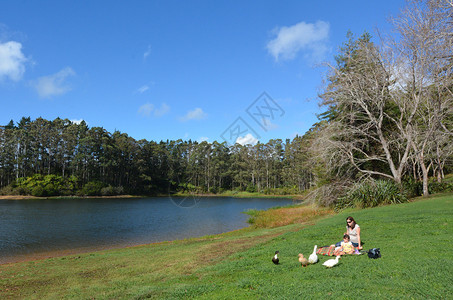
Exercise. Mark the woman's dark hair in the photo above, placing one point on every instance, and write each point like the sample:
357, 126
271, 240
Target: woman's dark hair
352, 225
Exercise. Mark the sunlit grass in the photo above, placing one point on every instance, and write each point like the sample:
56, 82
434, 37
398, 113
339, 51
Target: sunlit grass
286, 215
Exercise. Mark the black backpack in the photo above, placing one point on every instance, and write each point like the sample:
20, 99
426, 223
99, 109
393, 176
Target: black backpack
374, 253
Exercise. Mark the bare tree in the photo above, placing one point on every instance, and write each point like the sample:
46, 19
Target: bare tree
393, 101
424, 50
369, 131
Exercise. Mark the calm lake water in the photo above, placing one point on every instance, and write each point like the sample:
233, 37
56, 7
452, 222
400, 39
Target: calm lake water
41, 228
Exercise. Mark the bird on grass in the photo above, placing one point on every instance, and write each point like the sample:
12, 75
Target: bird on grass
313, 258
331, 262
275, 259
303, 261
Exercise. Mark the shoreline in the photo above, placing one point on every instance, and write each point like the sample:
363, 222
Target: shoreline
238, 195
23, 197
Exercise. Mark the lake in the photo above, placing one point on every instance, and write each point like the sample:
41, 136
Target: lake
49, 227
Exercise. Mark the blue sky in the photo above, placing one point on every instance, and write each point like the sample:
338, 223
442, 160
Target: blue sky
160, 70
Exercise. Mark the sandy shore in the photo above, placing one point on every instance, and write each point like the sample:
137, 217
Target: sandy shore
18, 197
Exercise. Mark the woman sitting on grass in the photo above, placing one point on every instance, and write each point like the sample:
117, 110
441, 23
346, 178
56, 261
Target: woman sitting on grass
353, 230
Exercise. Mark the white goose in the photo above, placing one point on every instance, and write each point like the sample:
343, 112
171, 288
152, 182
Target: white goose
331, 262
313, 258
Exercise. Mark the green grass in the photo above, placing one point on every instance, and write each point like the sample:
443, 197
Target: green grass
416, 263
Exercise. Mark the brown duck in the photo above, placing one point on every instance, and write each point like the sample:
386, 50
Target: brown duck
303, 261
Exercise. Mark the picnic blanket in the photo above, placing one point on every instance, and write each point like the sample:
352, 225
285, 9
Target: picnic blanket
328, 250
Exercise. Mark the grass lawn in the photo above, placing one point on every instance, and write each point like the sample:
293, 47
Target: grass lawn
414, 238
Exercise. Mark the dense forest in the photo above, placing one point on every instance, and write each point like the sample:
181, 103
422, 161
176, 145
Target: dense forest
94, 156
386, 133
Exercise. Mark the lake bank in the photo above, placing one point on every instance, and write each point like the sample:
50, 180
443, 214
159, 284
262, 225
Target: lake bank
238, 264
226, 194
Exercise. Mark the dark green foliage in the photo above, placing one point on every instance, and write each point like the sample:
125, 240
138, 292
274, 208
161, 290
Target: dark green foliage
93, 188
440, 187
412, 188
251, 189
372, 193
38, 191
106, 163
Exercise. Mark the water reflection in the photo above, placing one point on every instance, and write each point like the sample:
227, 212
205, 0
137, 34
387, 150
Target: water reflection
30, 227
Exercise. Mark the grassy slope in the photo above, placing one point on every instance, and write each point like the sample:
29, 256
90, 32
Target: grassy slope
414, 240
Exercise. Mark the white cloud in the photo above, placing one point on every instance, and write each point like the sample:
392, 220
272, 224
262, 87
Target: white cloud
75, 121
143, 89
53, 85
146, 109
147, 52
12, 61
203, 139
196, 114
247, 139
311, 37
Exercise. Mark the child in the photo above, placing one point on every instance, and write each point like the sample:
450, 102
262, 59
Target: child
346, 246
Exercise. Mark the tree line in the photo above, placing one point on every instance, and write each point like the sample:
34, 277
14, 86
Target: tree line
69, 150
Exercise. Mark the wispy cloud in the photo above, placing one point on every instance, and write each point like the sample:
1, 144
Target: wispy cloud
53, 85
203, 139
148, 108
196, 114
12, 61
162, 110
247, 139
309, 37
143, 89
147, 52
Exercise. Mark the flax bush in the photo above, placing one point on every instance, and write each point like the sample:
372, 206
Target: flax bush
370, 193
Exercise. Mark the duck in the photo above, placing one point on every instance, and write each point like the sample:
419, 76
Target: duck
313, 258
331, 262
275, 259
303, 261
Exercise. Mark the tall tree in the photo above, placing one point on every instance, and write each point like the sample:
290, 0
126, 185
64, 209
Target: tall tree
424, 50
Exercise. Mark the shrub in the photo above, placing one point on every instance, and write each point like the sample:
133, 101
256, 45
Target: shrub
412, 188
371, 193
9, 190
92, 188
38, 191
251, 189
108, 191
119, 190
51, 190
439, 187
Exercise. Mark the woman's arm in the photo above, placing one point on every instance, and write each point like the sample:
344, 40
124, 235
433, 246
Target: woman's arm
358, 238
